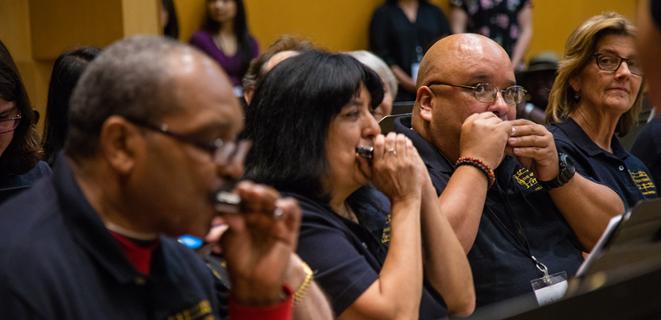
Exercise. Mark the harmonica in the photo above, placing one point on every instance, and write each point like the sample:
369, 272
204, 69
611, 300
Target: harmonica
225, 200
365, 151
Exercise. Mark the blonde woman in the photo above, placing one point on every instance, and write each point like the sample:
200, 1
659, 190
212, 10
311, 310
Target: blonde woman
597, 94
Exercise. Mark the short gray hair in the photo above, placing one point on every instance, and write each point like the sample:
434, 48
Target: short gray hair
130, 78
381, 68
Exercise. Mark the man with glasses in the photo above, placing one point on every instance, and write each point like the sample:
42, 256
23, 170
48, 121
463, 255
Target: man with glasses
151, 144
494, 171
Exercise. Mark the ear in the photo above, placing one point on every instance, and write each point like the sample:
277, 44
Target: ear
425, 100
575, 84
121, 144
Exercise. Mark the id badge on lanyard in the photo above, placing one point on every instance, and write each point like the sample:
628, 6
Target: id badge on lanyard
550, 287
415, 66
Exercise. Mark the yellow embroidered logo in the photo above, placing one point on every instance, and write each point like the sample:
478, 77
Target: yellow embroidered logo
385, 237
643, 182
527, 180
201, 311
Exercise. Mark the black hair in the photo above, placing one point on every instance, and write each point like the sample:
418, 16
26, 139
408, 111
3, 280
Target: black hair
68, 68
171, 29
290, 114
24, 150
240, 31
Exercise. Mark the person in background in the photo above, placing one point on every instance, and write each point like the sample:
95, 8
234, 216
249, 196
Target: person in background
94, 241
306, 119
648, 144
67, 69
508, 22
169, 20
389, 81
20, 150
597, 94
400, 32
537, 79
284, 47
225, 37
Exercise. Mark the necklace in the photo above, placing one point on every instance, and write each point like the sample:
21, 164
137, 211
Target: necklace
226, 44
130, 234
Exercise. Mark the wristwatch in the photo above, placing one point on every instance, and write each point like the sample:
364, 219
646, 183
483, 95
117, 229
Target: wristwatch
567, 172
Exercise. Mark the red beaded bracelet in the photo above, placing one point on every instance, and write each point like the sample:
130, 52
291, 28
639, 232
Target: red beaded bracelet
479, 164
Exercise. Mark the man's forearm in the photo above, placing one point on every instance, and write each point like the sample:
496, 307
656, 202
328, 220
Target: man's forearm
462, 203
447, 269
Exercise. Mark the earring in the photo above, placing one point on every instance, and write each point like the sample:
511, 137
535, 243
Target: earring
577, 96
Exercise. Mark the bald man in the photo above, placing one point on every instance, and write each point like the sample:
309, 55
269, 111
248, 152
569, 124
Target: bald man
488, 169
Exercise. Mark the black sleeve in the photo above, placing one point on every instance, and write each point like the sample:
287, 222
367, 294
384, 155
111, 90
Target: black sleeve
443, 24
340, 270
15, 307
378, 36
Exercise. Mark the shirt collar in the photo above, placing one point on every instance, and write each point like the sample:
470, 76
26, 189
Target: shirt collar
428, 152
88, 229
584, 142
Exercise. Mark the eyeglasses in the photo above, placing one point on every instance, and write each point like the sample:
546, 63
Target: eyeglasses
212, 147
485, 92
611, 62
10, 123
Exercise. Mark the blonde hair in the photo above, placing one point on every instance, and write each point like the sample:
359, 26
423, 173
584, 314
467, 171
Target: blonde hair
579, 51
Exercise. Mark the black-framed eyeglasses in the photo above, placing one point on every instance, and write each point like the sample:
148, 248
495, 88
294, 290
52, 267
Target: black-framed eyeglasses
210, 147
9, 124
612, 62
485, 92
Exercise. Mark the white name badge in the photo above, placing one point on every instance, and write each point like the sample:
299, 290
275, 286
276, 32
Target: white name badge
415, 67
550, 288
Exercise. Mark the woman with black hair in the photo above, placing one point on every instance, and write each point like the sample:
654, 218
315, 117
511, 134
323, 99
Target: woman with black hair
169, 20
364, 220
19, 143
225, 37
68, 68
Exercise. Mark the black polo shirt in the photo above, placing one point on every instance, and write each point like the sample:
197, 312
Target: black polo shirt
648, 147
620, 170
346, 256
501, 265
58, 261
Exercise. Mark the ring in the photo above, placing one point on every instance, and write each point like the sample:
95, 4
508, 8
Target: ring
278, 213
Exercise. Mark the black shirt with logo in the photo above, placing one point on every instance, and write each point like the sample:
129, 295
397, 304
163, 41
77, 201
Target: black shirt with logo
621, 171
58, 261
501, 259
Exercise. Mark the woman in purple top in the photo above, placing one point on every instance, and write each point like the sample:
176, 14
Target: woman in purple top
224, 36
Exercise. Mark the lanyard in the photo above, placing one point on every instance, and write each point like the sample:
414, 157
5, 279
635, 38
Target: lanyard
519, 236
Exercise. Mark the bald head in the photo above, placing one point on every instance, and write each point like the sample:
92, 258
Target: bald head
443, 102
459, 53
277, 58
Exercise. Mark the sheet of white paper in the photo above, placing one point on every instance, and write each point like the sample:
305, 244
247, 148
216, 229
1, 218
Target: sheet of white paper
596, 251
